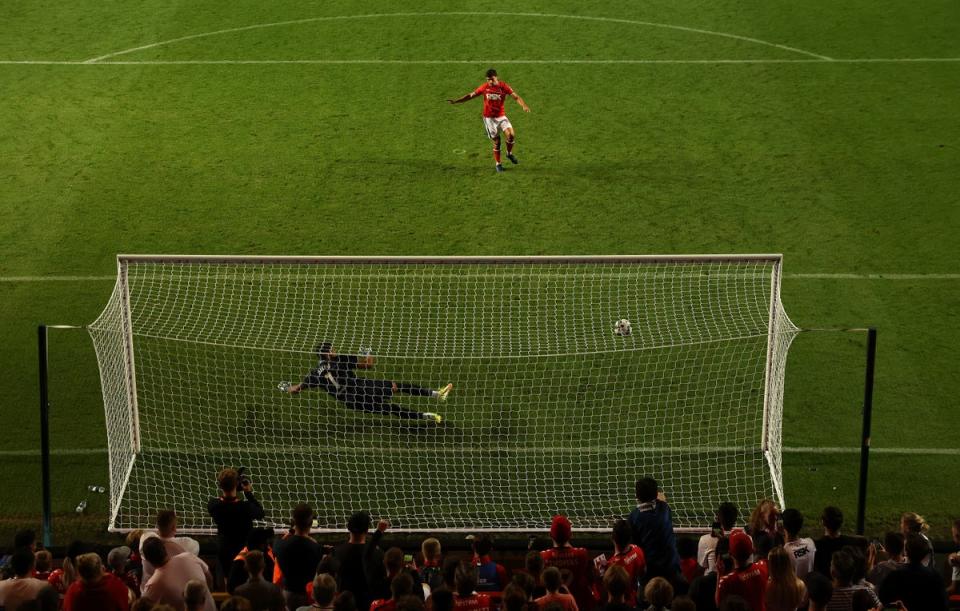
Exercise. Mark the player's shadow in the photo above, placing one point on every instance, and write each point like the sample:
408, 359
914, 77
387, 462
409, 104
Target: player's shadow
333, 426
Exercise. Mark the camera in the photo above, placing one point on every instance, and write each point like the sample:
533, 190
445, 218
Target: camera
243, 478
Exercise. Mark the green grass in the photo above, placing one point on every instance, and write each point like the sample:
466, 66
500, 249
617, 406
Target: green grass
843, 167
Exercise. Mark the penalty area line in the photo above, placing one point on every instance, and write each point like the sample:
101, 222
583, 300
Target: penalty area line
56, 278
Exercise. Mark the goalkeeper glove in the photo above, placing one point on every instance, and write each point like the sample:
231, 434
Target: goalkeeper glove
283, 386
366, 351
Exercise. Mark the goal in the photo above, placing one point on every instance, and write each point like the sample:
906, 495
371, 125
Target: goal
552, 411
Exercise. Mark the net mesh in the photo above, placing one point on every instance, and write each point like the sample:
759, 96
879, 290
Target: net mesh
551, 412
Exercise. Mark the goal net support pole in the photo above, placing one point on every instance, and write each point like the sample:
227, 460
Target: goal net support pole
551, 412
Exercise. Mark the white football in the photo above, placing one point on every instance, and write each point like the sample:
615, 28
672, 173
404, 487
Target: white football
622, 327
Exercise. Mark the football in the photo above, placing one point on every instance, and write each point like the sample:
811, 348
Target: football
622, 327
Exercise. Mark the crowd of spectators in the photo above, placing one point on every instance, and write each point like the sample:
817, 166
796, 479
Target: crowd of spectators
765, 566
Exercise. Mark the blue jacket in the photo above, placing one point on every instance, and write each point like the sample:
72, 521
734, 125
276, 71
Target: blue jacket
652, 525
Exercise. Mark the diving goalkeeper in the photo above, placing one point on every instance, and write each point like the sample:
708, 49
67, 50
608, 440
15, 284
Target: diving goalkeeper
336, 374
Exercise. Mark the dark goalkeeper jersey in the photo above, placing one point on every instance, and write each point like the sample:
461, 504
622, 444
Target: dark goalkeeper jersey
334, 375
338, 377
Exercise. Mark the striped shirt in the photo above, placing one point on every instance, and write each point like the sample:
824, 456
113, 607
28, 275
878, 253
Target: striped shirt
842, 599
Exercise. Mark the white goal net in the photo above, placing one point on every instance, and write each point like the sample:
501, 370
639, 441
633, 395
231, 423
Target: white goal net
551, 411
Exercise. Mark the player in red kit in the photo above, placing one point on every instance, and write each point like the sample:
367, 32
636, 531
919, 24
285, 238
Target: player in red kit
495, 92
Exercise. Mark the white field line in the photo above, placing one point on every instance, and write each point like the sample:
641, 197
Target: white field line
14, 279
258, 26
799, 276
474, 62
850, 276
531, 449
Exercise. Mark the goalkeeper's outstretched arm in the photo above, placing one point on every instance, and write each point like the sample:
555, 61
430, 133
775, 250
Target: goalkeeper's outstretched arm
290, 388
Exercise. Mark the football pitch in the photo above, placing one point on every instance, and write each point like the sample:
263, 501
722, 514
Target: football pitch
825, 132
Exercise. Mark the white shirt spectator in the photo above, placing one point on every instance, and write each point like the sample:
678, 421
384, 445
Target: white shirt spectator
707, 553
174, 545
168, 581
801, 552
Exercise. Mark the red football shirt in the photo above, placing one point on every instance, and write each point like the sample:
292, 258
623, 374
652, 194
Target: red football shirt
577, 561
493, 98
633, 560
474, 602
108, 594
749, 583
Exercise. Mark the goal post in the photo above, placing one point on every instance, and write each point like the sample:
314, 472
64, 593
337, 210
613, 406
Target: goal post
551, 410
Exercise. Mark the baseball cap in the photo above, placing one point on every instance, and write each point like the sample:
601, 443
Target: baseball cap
118, 555
560, 529
741, 545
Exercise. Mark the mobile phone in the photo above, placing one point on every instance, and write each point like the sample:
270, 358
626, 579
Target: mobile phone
408, 558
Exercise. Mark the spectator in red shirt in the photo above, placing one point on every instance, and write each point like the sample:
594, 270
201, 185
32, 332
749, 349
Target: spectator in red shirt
44, 563
687, 550
629, 556
747, 579
465, 597
573, 559
491, 576
553, 582
96, 590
